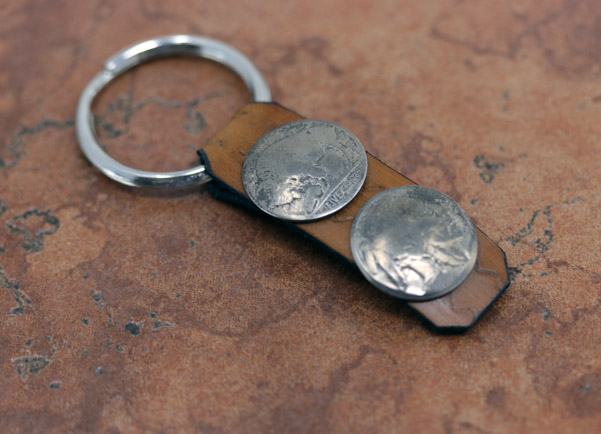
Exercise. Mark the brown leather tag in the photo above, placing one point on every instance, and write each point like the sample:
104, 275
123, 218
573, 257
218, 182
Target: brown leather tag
224, 156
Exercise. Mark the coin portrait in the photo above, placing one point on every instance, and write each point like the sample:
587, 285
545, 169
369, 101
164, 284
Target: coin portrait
414, 242
305, 170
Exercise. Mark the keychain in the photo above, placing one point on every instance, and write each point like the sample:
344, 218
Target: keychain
314, 176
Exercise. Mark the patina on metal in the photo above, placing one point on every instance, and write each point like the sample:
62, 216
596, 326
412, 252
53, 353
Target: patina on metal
305, 170
414, 242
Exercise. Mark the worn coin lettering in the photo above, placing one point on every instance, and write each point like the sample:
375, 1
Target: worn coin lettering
305, 170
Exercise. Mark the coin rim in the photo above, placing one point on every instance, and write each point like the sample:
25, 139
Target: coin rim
332, 210
396, 292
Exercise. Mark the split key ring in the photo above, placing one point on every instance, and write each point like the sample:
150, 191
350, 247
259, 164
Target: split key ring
411, 242
136, 54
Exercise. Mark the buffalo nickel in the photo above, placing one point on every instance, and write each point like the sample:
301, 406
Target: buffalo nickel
413, 242
304, 170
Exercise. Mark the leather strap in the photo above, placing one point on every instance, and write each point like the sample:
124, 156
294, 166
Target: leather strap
224, 157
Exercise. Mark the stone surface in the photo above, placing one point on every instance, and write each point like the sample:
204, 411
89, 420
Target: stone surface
131, 311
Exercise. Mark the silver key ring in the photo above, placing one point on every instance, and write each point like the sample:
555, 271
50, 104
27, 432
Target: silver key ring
140, 52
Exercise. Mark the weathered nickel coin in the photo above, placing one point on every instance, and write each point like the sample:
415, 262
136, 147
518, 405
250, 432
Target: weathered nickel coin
414, 242
305, 170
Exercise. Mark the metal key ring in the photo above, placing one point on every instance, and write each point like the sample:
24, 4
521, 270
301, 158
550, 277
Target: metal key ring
140, 52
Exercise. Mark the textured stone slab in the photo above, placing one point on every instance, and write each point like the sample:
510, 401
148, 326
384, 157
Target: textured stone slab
130, 311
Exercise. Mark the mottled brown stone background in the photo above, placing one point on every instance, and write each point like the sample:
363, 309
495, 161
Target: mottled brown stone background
129, 311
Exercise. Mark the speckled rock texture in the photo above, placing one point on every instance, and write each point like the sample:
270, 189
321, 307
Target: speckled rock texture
133, 311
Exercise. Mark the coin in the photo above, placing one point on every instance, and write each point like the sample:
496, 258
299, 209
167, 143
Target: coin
414, 242
304, 170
